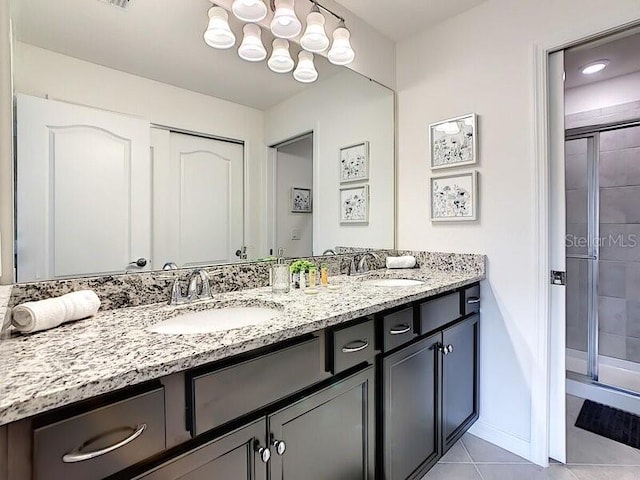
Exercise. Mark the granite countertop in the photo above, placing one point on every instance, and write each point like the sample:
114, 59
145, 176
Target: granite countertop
114, 349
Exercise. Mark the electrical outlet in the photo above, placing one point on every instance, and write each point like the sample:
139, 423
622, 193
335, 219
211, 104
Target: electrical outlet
295, 234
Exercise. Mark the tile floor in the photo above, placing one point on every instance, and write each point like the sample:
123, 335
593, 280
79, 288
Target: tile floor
589, 457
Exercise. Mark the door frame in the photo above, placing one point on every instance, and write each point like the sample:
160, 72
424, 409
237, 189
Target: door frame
542, 381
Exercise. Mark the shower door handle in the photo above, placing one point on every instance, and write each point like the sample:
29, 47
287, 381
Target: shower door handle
583, 257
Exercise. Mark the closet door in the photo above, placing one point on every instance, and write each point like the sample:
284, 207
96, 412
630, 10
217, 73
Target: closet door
83, 193
198, 199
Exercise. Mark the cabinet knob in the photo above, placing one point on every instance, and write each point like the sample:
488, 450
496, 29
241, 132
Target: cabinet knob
280, 446
265, 453
446, 349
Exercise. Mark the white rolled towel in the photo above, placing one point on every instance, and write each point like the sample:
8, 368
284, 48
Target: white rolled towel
32, 317
407, 261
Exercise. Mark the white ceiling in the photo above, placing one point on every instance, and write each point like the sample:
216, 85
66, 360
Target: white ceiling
622, 51
161, 40
400, 19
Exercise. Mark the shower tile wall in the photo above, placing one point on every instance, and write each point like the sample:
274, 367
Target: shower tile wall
577, 269
619, 265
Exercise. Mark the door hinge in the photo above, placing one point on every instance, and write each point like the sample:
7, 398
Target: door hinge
558, 277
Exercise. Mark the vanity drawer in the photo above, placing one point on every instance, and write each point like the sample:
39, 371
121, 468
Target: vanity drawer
222, 395
438, 312
471, 300
397, 329
101, 442
349, 346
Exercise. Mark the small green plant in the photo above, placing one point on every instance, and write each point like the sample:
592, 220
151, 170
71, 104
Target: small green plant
301, 266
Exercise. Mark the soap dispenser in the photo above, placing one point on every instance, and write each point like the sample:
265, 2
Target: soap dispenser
280, 276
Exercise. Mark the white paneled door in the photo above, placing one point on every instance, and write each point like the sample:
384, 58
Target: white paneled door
198, 198
83, 193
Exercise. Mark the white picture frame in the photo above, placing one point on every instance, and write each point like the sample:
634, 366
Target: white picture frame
454, 142
301, 200
354, 163
354, 205
454, 198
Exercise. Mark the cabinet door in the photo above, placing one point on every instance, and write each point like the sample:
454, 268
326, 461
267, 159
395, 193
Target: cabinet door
234, 456
460, 376
328, 435
410, 409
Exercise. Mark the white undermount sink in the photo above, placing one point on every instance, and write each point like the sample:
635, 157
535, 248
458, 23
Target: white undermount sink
394, 282
214, 320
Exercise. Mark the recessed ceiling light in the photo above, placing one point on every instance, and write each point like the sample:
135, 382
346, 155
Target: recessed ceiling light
595, 67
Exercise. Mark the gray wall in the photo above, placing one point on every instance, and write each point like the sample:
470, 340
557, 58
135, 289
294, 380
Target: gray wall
619, 265
619, 276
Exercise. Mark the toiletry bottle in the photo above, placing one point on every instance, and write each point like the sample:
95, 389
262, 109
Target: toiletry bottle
312, 277
324, 275
303, 279
280, 275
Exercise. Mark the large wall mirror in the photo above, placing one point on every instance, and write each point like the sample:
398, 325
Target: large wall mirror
139, 147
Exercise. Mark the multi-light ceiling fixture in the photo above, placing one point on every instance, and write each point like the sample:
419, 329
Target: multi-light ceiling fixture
284, 26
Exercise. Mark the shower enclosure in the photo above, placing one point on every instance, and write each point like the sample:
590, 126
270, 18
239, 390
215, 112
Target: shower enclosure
603, 254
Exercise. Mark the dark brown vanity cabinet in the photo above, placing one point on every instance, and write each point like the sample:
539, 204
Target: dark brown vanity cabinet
239, 455
460, 378
430, 386
328, 434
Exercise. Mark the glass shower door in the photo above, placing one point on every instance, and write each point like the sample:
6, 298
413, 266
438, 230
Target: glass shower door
581, 255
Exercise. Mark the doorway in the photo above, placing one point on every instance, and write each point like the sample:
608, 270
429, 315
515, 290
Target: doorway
293, 197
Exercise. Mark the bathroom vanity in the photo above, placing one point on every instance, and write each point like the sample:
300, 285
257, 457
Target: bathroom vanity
365, 382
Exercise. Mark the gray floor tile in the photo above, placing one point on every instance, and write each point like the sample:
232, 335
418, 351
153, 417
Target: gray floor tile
453, 471
485, 452
456, 454
605, 473
524, 472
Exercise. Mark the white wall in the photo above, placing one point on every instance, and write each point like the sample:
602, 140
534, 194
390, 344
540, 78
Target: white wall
481, 61
341, 111
294, 169
42, 72
607, 93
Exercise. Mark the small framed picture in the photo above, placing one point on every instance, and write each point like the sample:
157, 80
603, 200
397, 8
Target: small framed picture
354, 163
454, 142
454, 198
354, 204
301, 200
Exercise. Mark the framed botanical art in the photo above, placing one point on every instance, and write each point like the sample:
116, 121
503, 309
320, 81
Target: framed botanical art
300, 200
454, 197
354, 163
454, 142
354, 204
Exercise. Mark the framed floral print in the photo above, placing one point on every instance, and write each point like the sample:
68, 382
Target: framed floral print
354, 163
454, 197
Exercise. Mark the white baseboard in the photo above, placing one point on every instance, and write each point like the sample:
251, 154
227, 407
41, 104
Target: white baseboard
502, 439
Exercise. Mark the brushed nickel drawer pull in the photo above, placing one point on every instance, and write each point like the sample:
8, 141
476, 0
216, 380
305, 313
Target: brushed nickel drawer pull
356, 346
78, 456
472, 300
400, 329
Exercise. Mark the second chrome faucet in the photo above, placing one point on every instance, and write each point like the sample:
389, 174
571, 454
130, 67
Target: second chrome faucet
198, 288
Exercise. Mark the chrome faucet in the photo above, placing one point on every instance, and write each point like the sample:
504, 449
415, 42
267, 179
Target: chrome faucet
329, 251
362, 266
197, 277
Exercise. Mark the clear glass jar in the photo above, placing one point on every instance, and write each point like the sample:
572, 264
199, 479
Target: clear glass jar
280, 279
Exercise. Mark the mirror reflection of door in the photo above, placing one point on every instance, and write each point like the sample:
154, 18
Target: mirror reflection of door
83, 192
293, 176
198, 199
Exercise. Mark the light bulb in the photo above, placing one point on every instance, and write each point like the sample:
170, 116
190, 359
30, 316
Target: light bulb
595, 67
306, 71
285, 24
251, 48
249, 10
218, 34
315, 38
341, 52
280, 60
